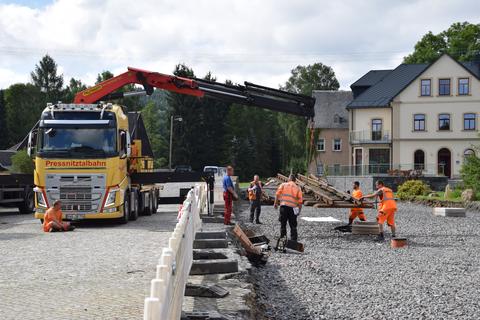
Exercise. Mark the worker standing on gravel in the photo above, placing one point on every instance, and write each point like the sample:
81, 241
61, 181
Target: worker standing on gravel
356, 212
229, 195
255, 196
290, 198
386, 208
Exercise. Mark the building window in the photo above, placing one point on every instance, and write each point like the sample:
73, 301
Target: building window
376, 129
321, 145
469, 121
463, 86
378, 161
444, 87
320, 170
444, 121
336, 169
419, 160
468, 153
418, 122
426, 87
337, 144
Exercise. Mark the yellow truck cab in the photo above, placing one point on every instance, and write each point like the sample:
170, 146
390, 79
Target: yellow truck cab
84, 156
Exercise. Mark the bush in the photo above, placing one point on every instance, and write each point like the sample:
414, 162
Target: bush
412, 188
21, 163
470, 173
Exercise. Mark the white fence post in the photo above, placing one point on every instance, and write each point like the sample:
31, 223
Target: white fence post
168, 287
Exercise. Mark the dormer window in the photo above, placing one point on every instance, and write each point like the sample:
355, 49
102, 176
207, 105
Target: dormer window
463, 86
443, 87
426, 87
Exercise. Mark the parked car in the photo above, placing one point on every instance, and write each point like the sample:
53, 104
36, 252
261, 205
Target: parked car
221, 171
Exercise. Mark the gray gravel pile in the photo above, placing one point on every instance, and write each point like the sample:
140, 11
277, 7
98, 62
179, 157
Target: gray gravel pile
345, 276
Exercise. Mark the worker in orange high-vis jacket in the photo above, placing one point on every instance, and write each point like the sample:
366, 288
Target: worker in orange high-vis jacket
290, 198
386, 209
356, 212
52, 221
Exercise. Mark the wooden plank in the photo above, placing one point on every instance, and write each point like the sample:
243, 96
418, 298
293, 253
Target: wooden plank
245, 241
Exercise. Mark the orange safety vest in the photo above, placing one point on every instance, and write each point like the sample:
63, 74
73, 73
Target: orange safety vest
251, 193
357, 194
387, 200
289, 194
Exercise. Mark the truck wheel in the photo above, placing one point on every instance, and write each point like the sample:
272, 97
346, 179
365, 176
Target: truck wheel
147, 207
154, 202
126, 209
28, 204
134, 212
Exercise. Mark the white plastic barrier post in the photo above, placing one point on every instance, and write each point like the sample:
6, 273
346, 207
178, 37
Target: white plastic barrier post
168, 287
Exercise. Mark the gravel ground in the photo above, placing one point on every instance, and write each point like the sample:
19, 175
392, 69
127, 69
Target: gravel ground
344, 276
99, 271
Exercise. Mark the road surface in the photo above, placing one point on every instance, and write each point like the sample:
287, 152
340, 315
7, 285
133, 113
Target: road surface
99, 271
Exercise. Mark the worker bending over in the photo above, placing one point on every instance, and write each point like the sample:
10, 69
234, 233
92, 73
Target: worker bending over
290, 198
356, 212
386, 208
52, 220
255, 196
229, 195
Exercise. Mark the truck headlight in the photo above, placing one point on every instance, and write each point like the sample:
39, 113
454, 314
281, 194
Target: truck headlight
111, 198
40, 197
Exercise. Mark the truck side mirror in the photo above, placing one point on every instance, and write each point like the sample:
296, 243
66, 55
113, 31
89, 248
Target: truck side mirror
129, 145
123, 144
31, 143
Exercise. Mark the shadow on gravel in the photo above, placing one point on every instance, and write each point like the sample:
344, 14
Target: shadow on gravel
274, 299
17, 236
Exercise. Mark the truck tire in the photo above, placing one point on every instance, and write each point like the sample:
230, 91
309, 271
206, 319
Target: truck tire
28, 204
147, 207
126, 209
136, 205
154, 202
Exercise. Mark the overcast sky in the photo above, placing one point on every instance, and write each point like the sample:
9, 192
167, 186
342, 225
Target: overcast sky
258, 41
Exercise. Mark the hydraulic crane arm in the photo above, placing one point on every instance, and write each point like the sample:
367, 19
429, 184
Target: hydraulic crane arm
249, 94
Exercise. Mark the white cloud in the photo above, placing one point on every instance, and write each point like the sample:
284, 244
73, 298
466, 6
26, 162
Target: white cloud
256, 40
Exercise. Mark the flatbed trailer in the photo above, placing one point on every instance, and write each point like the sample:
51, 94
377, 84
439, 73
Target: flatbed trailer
16, 191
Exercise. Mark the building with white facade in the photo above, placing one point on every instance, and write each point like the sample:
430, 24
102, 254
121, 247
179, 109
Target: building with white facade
416, 116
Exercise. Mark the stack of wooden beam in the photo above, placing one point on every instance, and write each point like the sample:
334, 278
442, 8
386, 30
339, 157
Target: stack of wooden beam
365, 227
317, 193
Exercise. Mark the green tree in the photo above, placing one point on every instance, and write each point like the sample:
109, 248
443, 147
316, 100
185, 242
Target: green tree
104, 75
45, 78
3, 124
155, 114
460, 40
72, 89
470, 172
21, 163
23, 106
303, 80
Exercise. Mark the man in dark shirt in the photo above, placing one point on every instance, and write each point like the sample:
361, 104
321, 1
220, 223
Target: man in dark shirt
255, 197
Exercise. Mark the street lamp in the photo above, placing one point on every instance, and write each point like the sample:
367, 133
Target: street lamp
172, 118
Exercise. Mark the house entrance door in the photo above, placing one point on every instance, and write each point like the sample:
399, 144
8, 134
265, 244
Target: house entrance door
444, 162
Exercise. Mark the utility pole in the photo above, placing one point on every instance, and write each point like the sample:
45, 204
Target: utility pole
172, 118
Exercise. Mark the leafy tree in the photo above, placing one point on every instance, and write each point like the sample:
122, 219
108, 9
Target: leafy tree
460, 40
3, 128
104, 75
304, 80
72, 89
21, 163
23, 106
45, 78
470, 172
155, 118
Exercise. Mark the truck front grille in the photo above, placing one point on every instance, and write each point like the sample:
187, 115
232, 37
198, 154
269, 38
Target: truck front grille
77, 207
75, 193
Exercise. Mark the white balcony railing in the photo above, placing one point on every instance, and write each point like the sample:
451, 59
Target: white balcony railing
367, 136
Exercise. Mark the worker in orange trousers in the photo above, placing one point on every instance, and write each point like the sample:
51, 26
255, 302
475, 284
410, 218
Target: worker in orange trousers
356, 212
386, 209
52, 220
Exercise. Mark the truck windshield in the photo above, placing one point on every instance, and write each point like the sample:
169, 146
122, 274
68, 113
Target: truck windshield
78, 142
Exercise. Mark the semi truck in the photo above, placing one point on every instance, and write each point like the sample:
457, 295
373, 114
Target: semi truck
95, 157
